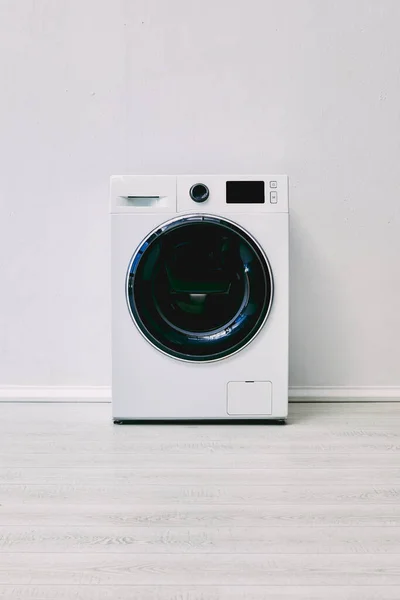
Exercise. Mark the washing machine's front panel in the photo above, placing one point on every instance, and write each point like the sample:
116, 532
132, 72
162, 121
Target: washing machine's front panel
199, 326
199, 288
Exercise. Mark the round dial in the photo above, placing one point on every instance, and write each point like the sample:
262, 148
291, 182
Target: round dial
199, 192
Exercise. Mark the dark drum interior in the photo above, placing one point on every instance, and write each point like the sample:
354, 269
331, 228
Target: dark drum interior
199, 288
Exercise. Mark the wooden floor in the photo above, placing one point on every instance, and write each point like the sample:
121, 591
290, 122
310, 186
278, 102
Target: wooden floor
95, 511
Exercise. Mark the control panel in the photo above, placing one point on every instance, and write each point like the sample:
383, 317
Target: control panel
219, 194
232, 194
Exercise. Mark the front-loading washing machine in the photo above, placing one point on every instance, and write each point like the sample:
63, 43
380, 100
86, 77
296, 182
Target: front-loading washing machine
199, 297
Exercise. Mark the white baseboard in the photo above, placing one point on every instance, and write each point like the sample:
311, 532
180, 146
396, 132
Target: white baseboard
345, 394
103, 394
55, 393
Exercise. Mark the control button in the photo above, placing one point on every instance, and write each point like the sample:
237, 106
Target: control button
273, 197
273, 184
199, 192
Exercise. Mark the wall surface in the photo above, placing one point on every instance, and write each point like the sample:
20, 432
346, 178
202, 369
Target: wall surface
95, 87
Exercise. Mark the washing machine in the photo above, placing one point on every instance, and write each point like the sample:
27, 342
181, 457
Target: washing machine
199, 297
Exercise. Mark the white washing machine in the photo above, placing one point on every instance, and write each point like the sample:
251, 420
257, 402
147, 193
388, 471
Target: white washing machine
199, 297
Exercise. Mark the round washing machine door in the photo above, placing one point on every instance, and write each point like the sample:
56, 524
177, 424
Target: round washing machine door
199, 288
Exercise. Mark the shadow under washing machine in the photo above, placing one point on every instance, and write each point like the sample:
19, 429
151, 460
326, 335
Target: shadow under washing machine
199, 297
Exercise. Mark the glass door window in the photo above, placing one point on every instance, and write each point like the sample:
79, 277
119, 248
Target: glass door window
199, 288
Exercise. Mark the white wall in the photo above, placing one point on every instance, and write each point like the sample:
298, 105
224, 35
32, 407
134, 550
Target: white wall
94, 87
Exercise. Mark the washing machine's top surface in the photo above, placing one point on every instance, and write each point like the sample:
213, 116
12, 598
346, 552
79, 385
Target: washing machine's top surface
199, 287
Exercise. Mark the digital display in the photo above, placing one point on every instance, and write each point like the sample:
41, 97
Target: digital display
245, 192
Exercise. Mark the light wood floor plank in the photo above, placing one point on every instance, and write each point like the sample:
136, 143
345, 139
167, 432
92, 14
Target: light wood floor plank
200, 569
207, 540
239, 460
200, 494
205, 477
196, 435
210, 515
317, 423
293, 441
96, 592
